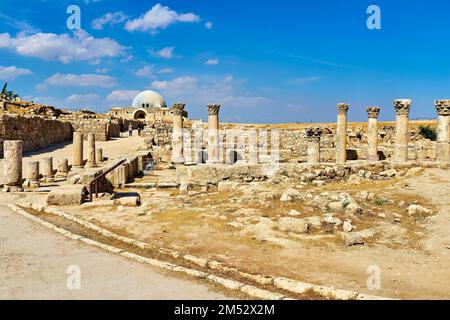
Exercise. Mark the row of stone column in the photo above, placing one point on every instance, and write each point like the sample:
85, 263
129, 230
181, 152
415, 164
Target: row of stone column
94, 155
13, 168
13, 163
402, 108
213, 134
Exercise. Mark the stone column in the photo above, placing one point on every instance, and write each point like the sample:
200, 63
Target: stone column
47, 170
341, 133
313, 137
177, 134
77, 149
91, 152
372, 134
63, 168
253, 147
213, 133
402, 107
33, 174
12, 151
99, 155
443, 131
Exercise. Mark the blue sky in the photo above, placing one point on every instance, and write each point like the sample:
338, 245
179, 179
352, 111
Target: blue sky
264, 61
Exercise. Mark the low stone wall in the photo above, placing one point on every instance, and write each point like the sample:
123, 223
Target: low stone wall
35, 132
319, 174
213, 174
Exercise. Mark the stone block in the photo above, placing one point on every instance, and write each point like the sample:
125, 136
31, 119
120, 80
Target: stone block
68, 195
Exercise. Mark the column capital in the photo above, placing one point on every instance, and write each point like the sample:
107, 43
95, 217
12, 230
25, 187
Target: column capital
313, 134
342, 108
442, 107
213, 109
373, 112
178, 109
402, 106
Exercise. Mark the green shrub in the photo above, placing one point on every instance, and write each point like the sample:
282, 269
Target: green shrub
428, 132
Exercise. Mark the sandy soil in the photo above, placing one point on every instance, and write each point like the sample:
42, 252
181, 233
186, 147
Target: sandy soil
412, 255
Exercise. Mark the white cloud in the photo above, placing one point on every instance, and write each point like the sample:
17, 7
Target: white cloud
145, 72
166, 53
62, 47
121, 96
12, 72
226, 91
23, 26
102, 70
83, 98
127, 59
110, 18
212, 62
176, 86
305, 80
208, 25
166, 70
81, 80
159, 17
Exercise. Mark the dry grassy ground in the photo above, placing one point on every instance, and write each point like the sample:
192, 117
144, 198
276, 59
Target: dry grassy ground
241, 228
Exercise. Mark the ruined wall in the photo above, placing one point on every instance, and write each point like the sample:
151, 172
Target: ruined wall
100, 128
35, 132
293, 144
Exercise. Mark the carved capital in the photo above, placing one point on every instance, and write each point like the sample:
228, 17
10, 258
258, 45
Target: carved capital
313, 134
402, 106
342, 108
213, 109
178, 109
373, 112
443, 107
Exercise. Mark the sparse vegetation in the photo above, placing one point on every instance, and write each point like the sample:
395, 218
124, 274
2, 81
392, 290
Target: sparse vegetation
380, 202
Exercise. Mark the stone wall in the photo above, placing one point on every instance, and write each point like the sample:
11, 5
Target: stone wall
103, 129
293, 144
100, 128
35, 132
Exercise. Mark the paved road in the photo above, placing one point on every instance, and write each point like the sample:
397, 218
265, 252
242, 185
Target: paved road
34, 262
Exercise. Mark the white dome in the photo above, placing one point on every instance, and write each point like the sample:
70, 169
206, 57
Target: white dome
149, 99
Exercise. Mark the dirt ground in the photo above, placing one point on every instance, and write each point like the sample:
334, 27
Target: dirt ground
242, 228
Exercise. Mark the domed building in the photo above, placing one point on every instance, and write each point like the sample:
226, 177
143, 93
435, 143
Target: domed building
147, 106
149, 99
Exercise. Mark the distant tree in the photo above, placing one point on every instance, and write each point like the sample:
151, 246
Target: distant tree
11, 96
8, 94
428, 132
